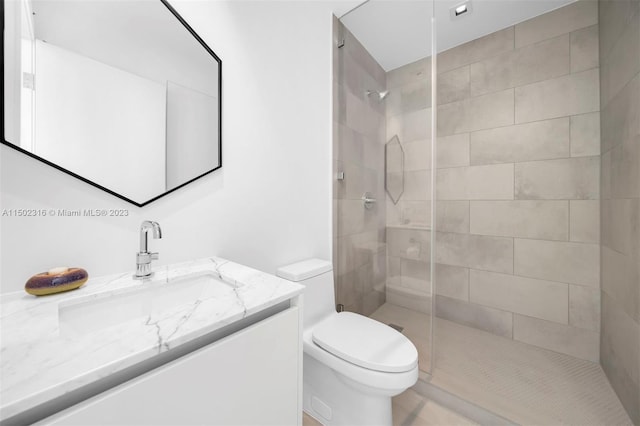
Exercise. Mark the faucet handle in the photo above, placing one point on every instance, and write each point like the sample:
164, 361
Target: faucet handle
155, 256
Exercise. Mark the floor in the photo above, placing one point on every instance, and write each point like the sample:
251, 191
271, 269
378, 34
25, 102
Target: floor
523, 383
411, 409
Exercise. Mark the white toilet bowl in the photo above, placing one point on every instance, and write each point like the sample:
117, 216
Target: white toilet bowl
353, 365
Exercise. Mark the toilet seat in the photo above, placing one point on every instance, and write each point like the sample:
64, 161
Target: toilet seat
366, 343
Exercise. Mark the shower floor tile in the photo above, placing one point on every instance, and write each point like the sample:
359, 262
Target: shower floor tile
523, 383
413, 409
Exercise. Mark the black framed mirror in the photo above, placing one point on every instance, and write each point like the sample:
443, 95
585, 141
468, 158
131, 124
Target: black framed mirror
123, 94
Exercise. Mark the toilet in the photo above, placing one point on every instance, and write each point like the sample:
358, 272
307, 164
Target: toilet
353, 365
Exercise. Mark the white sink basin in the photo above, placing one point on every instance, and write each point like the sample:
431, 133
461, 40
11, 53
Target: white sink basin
151, 299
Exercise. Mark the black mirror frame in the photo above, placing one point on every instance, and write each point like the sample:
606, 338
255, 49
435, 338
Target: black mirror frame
90, 182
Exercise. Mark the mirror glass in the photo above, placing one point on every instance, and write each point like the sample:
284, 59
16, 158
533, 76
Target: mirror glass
121, 94
394, 169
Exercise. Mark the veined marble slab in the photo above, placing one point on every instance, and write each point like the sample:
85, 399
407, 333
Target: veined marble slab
39, 361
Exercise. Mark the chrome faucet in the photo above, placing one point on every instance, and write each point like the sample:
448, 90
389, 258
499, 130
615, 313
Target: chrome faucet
144, 257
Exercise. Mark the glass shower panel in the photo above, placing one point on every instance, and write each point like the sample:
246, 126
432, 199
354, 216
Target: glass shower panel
382, 152
525, 94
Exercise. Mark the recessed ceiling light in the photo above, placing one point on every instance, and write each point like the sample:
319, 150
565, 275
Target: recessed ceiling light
460, 10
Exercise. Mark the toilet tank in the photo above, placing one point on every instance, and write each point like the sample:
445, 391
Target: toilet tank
316, 275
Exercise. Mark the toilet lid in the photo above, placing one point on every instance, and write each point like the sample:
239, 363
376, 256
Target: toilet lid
366, 342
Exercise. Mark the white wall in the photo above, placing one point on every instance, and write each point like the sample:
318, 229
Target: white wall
119, 142
268, 205
192, 134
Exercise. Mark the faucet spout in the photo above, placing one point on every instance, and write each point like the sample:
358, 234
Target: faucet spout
146, 226
144, 257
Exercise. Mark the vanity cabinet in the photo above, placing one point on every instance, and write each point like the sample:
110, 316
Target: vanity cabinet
251, 377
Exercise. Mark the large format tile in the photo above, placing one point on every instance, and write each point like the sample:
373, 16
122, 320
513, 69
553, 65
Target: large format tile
417, 185
580, 14
418, 71
452, 216
475, 251
585, 134
584, 49
453, 85
625, 169
417, 155
584, 307
491, 110
452, 281
529, 219
620, 277
613, 17
494, 182
536, 298
573, 179
575, 263
562, 338
453, 118
623, 62
475, 50
484, 318
584, 221
415, 96
563, 96
620, 352
416, 125
542, 61
621, 225
621, 116
453, 151
409, 243
540, 140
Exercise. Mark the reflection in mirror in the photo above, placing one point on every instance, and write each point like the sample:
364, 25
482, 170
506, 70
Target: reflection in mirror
394, 169
122, 94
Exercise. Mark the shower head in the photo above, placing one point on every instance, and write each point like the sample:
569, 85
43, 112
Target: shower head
381, 95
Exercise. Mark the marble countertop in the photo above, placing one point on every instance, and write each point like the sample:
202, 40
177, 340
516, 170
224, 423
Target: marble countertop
41, 361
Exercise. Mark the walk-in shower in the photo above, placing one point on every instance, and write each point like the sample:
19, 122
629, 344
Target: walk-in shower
505, 164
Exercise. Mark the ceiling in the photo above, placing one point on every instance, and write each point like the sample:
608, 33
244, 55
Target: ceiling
138, 36
398, 32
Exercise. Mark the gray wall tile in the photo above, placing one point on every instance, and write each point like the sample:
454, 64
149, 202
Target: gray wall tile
475, 50
542, 61
452, 281
574, 341
547, 220
584, 307
536, 298
452, 216
575, 178
623, 62
620, 281
494, 182
584, 49
540, 140
584, 222
568, 95
475, 251
580, 14
453, 151
575, 263
621, 116
488, 319
585, 135
491, 110
453, 85
619, 354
